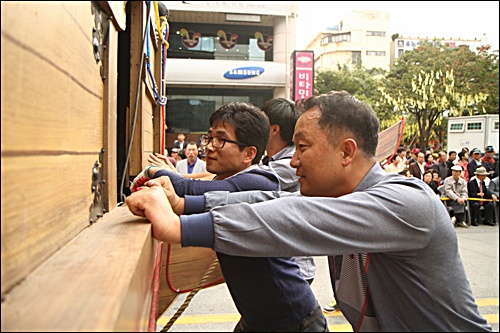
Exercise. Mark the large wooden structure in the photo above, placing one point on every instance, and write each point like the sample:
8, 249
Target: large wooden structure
75, 103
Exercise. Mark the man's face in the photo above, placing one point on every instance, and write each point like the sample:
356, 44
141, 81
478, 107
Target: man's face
453, 156
481, 177
476, 156
317, 161
191, 152
420, 158
229, 160
456, 174
442, 157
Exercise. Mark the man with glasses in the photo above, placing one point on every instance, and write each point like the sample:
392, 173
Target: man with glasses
269, 293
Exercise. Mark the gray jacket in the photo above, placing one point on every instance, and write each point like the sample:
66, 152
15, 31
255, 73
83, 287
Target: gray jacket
395, 237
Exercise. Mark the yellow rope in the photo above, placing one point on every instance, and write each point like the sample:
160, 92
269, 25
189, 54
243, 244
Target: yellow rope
159, 26
190, 296
470, 199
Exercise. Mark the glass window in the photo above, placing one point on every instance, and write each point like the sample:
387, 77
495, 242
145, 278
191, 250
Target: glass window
457, 127
356, 57
188, 110
375, 53
376, 33
476, 126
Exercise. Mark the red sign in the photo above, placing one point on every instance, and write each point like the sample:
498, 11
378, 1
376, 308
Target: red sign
301, 75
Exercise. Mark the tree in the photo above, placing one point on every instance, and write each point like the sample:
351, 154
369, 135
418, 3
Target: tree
359, 82
434, 79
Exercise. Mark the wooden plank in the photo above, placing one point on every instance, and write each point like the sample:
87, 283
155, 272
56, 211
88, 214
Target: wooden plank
45, 203
186, 268
51, 87
136, 34
110, 197
389, 140
117, 11
100, 281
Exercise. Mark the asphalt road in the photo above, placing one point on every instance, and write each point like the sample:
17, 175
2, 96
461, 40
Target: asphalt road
212, 309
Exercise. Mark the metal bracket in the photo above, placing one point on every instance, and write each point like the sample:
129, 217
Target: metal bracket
97, 207
99, 35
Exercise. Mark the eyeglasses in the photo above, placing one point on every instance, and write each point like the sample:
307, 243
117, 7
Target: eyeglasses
218, 142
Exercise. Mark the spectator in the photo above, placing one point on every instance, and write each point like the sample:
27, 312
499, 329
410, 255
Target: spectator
463, 160
403, 164
441, 167
493, 188
452, 156
479, 190
413, 156
393, 165
394, 259
429, 161
181, 144
435, 177
191, 164
432, 184
417, 168
455, 188
474, 162
489, 162
174, 153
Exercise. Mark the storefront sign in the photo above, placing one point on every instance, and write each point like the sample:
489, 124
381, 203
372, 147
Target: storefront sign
243, 73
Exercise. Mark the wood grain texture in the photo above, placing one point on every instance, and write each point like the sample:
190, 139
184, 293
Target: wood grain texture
103, 281
45, 203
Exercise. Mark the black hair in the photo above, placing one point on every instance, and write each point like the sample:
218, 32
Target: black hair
281, 111
250, 123
340, 111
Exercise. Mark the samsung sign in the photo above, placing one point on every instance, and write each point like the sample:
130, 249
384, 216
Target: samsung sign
243, 73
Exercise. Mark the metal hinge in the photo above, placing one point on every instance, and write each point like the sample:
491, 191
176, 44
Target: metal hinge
97, 206
99, 35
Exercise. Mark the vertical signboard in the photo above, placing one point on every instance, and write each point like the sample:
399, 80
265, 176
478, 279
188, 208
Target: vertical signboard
301, 75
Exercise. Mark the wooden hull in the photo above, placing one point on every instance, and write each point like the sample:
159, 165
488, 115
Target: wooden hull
72, 260
186, 267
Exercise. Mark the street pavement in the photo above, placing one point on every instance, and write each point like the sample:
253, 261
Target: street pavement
212, 309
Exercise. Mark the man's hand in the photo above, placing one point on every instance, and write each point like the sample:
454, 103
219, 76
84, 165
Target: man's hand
460, 201
143, 177
151, 202
162, 161
176, 202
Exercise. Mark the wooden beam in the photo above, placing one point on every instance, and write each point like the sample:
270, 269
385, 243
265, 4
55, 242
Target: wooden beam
100, 281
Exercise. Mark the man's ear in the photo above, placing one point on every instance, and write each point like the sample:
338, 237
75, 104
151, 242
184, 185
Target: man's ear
275, 129
350, 149
251, 152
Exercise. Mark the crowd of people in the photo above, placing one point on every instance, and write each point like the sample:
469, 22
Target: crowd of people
464, 182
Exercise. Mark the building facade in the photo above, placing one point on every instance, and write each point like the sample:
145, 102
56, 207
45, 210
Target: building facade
403, 44
223, 51
361, 38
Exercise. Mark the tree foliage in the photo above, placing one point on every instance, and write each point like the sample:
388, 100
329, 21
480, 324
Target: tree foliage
432, 80
359, 82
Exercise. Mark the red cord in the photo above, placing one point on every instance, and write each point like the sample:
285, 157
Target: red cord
153, 314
